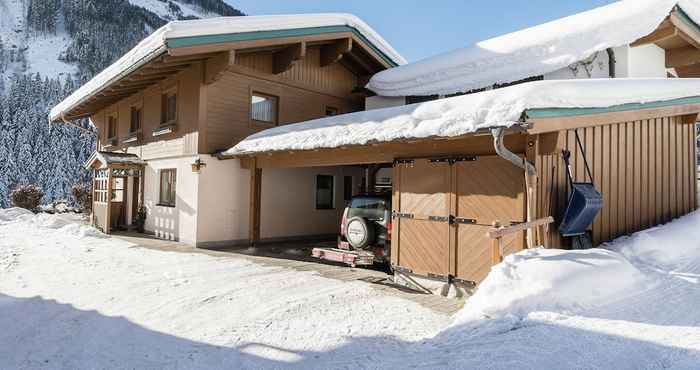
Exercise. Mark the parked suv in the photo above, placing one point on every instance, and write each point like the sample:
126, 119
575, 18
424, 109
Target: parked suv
366, 225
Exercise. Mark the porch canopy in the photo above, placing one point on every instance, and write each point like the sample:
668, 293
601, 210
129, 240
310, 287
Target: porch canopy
107, 166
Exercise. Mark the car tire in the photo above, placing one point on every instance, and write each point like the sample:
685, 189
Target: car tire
359, 232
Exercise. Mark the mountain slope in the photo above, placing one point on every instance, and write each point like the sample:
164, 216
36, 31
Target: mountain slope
47, 49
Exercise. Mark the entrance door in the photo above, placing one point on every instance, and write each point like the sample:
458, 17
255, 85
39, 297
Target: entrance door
443, 209
119, 187
422, 208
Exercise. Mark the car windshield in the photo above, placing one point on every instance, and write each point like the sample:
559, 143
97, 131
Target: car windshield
369, 208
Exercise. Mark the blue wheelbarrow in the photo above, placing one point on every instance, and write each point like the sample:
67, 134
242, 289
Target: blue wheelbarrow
584, 201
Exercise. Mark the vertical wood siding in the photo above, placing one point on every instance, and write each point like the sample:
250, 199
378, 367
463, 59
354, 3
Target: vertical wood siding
645, 170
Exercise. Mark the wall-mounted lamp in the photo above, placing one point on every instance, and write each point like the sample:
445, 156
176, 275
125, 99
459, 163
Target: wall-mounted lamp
197, 165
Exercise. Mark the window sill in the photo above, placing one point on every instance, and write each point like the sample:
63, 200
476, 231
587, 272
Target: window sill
112, 141
165, 128
132, 137
263, 123
165, 205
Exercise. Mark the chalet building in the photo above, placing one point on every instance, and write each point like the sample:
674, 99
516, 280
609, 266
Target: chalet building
195, 88
236, 130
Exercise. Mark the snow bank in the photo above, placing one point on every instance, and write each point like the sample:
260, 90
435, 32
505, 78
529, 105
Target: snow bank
530, 52
551, 280
8, 215
668, 247
156, 44
62, 223
464, 114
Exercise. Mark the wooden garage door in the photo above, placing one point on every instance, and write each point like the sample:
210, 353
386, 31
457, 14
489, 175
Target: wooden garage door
487, 190
422, 205
443, 209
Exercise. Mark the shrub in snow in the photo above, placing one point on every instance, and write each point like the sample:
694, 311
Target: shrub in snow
83, 197
27, 196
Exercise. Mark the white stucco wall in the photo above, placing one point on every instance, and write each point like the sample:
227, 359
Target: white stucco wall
172, 223
223, 201
595, 67
288, 202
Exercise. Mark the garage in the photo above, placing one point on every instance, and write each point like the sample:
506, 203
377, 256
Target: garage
444, 208
476, 177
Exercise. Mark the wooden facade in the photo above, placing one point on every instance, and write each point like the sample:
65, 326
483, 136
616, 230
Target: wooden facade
644, 168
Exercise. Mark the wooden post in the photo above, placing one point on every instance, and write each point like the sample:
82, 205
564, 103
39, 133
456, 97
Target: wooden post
108, 216
496, 245
142, 180
93, 199
255, 197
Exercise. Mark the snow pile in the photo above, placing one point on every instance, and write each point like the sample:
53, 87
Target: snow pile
464, 114
530, 52
670, 247
9, 215
156, 44
551, 280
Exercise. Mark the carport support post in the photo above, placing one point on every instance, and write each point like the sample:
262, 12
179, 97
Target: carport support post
255, 196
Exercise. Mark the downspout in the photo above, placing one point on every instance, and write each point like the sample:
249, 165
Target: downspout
506, 154
530, 175
611, 62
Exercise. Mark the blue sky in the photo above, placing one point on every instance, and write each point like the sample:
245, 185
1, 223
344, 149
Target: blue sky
419, 29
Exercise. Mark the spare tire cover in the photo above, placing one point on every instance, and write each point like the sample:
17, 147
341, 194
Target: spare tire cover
359, 232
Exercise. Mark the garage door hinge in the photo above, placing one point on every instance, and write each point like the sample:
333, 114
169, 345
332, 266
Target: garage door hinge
461, 220
402, 215
453, 160
440, 218
403, 161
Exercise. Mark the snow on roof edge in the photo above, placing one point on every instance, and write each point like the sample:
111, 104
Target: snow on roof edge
156, 44
465, 114
529, 52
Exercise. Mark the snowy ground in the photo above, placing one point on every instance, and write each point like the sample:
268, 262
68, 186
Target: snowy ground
71, 298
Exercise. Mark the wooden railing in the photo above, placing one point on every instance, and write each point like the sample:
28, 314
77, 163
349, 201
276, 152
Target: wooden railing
498, 232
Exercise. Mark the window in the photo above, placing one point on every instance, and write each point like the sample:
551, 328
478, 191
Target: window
111, 127
347, 188
135, 119
167, 188
118, 189
168, 107
263, 108
324, 192
331, 111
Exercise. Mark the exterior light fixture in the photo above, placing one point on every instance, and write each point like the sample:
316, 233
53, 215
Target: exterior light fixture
197, 165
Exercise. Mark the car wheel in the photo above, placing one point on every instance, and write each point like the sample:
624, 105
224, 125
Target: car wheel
359, 232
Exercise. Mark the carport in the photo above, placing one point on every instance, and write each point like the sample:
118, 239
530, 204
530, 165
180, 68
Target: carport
471, 164
440, 215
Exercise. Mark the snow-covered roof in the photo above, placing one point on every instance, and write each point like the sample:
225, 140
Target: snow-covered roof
530, 52
107, 158
160, 41
465, 114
